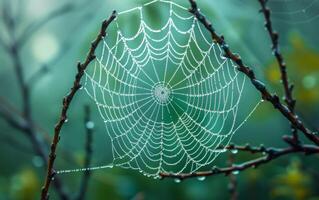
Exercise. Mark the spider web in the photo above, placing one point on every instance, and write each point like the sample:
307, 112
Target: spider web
167, 96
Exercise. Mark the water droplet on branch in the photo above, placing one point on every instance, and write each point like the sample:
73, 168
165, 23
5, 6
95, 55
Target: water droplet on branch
201, 178
177, 180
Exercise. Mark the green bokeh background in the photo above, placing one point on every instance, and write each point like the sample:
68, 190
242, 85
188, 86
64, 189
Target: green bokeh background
65, 40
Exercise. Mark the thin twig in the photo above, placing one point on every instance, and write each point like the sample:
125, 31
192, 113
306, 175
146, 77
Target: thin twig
3, 44
232, 186
89, 125
246, 148
272, 154
66, 103
274, 36
14, 143
24, 124
266, 95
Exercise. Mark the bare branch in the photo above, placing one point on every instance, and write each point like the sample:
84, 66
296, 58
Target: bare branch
3, 44
36, 76
272, 154
12, 141
38, 145
18, 123
232, 186
27, 126
88, 153
248, 148
66, 103
266, 95
274, 36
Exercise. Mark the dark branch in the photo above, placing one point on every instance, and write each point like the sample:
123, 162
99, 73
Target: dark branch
266, 95
66, 103
88, 153
247, 148
232, 186
272, 154
25, 124
12, 142
274, 36
36, 76
3, 44
16, 122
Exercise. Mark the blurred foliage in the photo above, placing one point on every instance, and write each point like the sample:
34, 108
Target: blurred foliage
304, 61
24, 185
21, 172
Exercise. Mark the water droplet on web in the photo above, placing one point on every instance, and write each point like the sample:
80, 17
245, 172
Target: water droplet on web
166, 94
234, 151
235, 172
201, 178
89, 125
177, 180
66, 120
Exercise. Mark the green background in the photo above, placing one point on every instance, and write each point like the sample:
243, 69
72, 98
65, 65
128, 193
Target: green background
64, 40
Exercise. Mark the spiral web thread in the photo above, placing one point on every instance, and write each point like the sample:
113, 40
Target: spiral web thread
167, 96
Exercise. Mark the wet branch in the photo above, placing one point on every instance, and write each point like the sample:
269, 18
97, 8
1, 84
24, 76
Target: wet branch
66, 103
266, 95
274, 36
88, 153
25, 123
270, 153
232, 186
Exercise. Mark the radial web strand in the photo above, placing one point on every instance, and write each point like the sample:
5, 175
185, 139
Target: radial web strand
165, 92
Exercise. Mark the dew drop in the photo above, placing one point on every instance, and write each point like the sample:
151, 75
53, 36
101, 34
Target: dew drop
235, 172
201, 178
66, 120
177, 180
234, 151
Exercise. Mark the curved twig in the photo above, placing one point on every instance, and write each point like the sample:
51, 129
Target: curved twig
274, 36
88, 153
266, 95
67, 101
272, 154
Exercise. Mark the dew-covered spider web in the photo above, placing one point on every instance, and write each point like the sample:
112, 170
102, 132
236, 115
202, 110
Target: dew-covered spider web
167, 96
